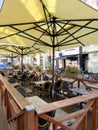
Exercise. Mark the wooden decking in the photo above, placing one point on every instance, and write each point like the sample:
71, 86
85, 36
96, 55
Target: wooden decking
3, 119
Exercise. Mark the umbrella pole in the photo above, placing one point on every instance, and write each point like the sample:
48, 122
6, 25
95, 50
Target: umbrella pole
12, 62
53, 75
80, 57
22, 63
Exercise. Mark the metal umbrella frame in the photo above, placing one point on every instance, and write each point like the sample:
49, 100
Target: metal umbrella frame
52, 33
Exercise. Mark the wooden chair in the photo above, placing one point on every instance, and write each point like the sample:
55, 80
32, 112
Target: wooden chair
45, 77
12, 80
23, 79
22, 91
45, 90
66, 90
58, 88
35, 88
43, 124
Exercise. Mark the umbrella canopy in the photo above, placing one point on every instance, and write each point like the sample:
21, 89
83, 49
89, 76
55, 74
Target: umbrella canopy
48, 23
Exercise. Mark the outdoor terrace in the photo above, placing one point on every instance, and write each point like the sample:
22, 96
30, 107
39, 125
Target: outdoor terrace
21, 114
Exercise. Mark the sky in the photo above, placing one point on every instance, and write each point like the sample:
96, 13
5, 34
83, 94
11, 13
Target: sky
1, 2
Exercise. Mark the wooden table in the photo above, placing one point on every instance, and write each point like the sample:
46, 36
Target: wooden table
69, 80
80, 91
49, 76
35, 101
40, 82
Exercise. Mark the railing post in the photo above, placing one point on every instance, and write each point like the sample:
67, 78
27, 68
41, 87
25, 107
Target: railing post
0, 89
29, 118
84, 122
78, 83
94, 115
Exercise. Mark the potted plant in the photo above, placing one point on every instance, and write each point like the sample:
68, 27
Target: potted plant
38, 68
30, 67
49, 69
15, 66
72, 70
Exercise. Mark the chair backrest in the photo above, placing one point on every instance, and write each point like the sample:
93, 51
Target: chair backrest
2, 73
12, 80
23, 77
35, 78
43, 124
65, 85
47, 86
31, 76
58, 85
22, 91
45, 77
19, 72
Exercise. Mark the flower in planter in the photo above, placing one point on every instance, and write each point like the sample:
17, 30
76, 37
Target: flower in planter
72, 70
15, 66
38, 68
30, 67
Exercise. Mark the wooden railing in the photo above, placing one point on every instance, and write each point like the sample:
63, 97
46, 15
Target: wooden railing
79, 81
80, 116
23, 116
14, 105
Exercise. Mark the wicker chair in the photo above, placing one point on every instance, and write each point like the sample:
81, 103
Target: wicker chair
12, 80
22, 91
66, 91
57, 89
34, 87
43, 124
45, 90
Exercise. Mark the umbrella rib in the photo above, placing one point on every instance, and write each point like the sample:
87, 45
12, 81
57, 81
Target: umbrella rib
59, 32
70, 44
44, 10
78, 37
17, 24
84, 27
72, 35
15, 33
6, 48
9, 50
16, 48
75, 32
41, 29
34, 40
30, 35
27, 50
47, 21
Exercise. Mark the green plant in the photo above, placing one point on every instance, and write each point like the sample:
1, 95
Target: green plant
15, 66
49, 68
38, 68
72, 70
30, 67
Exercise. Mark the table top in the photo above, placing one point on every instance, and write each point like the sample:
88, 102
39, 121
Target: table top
49, 75
35, 101
41, 82
80, 91
68, 79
